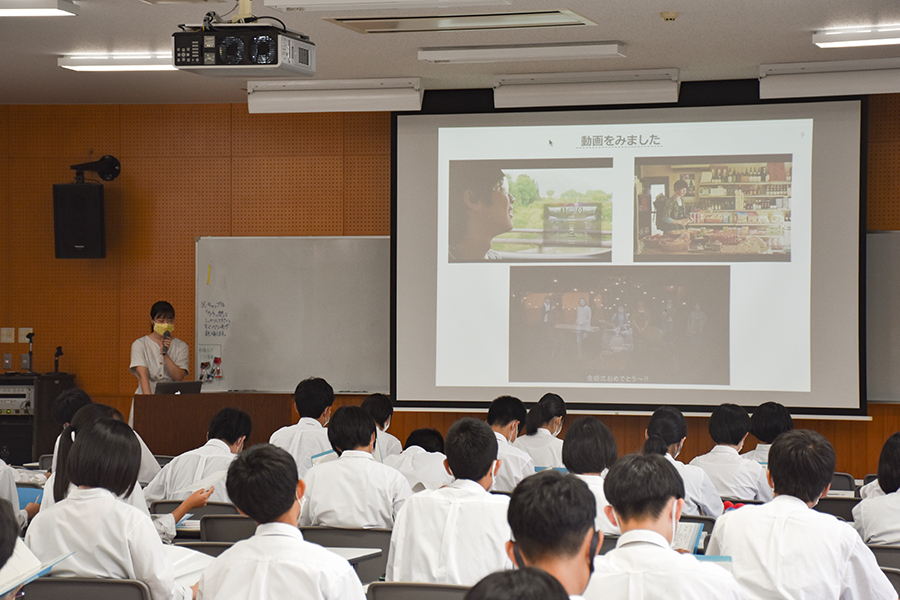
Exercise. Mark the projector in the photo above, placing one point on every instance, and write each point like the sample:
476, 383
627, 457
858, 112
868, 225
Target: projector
242, 50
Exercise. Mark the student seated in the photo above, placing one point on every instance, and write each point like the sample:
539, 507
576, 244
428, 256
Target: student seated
354, 491
313, 398
228, 431
506, 416
455, 534
733, 475
521, 584
276, 562
769, 420
9, 536
542, 426
381, 409
588, 451
551, 516
108, 537
422, 460
877, 518
646, 497
9, 493
665, 434
785, 549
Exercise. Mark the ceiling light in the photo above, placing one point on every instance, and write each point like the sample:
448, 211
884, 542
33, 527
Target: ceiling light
851, 38
334, 5
830, 78
586, 89
531, 52
346, 95
145, 61
37, 8
482, 22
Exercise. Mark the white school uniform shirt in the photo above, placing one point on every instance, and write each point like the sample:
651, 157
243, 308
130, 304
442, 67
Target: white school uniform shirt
9, 493
595, 484
454, 535
146, 353
421, 468
515, 465
149, 464
871, 490
302, 441
110, 539
175, 480
877, 519
759, 454
353, 492
783, 549
385, 445
543, 447
278, 563
700, 495
644, 566
733, 475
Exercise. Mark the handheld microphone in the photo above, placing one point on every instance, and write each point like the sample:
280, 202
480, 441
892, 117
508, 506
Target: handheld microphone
165, 349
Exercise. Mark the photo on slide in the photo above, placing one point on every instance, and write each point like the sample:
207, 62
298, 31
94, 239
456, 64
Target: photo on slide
713, 208
530, 210
631, 325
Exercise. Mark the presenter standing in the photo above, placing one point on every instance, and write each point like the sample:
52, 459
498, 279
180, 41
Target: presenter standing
159, 356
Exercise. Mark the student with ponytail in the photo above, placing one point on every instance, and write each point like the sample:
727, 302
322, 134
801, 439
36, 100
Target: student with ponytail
542, 426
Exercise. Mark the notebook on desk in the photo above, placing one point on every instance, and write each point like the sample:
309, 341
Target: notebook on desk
178, 387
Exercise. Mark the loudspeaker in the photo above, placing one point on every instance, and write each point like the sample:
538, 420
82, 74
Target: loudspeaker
15, 439
78, 223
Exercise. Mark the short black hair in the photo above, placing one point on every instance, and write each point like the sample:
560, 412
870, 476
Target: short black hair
589, 446
680, 185
668, 423
548, 408
312, 396
889, 465
506, 409
430, 440
67, 404
379, 407
471, 448
9, 531
640, 485
478, 176
229, 425
550, 514
106, 455
262, 482
770, 420
518, 584
351, 427
162, 309
83, 418
728, 424
801, 463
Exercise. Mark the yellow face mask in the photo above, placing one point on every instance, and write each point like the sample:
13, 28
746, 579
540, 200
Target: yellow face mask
162, 328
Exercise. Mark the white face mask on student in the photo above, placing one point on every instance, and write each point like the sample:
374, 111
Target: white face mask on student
493, 473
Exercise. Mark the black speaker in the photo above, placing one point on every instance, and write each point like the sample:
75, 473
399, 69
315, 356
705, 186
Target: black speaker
78, 222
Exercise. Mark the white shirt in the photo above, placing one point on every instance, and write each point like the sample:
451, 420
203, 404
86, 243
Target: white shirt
278, 563
353, 492
421, 468
145, 352
877, 519
149, 464
643, 566
515, 465
9, 492
454, 535
871, 490
110, 539
783, 549
385, 445
544, 448
176, 479
733, 475
601, 523
699, 492
302, 441
760, 454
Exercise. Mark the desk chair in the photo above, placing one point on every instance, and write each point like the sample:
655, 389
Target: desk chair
331, 537
45, 461
163, 459
843, 481
226, 528
86, 588
28, 492
870, 478
163, 507
415, 591
886, 556
708, 524
839, 507
741, 500
210, 548
893, 576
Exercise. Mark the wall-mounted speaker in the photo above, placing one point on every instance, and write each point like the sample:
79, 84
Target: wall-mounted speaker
78, 223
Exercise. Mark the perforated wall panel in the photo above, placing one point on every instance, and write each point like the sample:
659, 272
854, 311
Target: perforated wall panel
312, 134
883, 209
191, 130
367, 195
884, 118
74, 131
4, 132
367, 133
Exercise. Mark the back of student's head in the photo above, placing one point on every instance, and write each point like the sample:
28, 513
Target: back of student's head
67, 404
667, 424
379, 407
889, 465
506, 409
106, 455
548, 408
801, 463
83, 418
429, 440
589, 446
312, 396
550, 514
262, 482
230, 425
641, 485
519, 584
351, 427
471, 448
728, 424
770, 420
9, 531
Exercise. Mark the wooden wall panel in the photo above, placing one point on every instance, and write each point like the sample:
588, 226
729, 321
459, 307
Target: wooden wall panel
884, 118
367, 195
193, 130
367, 133
86, 132
315, 134
4, 132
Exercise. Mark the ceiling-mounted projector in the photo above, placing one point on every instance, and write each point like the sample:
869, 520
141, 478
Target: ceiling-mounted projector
239, 49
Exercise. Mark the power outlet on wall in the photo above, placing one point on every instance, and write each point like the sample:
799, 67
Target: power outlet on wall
7, 362
26, 365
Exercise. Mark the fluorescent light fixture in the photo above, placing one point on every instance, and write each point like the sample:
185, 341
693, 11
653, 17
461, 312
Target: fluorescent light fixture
851, 38
586, 89
338, 5
830, 78
37, 8
145, 61
530, 52
343, 95
536, 19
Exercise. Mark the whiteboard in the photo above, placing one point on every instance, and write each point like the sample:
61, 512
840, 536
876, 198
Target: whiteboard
277, 310
883, 316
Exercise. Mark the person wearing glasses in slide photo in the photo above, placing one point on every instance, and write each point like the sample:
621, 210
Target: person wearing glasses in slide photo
159, 356
481, 208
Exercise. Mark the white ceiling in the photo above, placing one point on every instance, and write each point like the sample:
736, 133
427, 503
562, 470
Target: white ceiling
710, 40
